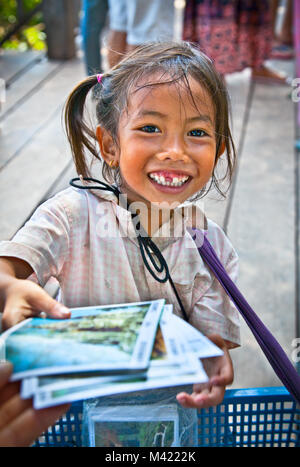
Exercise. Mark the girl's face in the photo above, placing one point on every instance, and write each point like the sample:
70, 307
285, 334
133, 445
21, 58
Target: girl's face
167, 143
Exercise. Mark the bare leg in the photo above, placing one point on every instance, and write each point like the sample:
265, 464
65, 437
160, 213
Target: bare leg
274, 9
283, 40
116, 46
265, 74
286, 33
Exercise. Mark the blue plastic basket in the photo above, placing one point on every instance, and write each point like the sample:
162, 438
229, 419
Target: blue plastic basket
263, 417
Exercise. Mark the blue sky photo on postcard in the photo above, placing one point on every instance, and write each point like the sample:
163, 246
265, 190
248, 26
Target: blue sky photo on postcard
102, 339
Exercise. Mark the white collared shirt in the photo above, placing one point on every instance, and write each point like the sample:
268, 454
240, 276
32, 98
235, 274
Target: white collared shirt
88, 242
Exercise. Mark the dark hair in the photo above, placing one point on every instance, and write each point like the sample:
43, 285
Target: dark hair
177, 62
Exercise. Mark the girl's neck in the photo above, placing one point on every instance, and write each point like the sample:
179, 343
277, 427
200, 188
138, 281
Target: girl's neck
152, 215
156, 218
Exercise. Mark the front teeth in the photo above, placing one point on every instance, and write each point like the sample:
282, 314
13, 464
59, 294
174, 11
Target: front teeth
160, 179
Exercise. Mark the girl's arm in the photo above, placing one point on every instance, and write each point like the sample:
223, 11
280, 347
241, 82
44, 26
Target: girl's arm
40, 246
14, 267
11, 268
21, 298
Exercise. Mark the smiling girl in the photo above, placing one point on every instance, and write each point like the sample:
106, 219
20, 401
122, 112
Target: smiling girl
162, 128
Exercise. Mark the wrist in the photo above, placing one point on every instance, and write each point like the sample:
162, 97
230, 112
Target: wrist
6, 281
218, 340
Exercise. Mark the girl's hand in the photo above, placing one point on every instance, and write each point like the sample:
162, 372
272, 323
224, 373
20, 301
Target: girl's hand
24, 299
220, 373
20, 424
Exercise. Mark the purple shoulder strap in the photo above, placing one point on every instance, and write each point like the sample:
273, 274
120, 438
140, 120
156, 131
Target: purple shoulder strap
272, 349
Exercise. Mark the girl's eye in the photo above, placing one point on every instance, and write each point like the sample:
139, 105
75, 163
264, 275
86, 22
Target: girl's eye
197, 133
150, 129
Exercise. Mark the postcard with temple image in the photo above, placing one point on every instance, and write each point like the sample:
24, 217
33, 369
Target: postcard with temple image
112, 339
170, 365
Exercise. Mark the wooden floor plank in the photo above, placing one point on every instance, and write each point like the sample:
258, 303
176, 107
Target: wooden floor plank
261, 228
28, 177
35, 113
13, 63
238, 85
28, 83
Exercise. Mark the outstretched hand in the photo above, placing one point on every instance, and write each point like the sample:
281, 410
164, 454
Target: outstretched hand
220, 373
25, 299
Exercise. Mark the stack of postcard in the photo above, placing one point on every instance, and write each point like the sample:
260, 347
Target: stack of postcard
105, 350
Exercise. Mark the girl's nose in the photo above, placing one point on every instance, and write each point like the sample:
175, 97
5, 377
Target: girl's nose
173, 156
174, 152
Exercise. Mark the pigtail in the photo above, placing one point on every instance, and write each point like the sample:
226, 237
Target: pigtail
80, 136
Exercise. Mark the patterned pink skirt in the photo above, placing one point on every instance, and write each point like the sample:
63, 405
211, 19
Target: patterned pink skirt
235, 34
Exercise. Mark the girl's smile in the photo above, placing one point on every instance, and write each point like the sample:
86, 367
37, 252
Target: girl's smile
169, 181
166, 142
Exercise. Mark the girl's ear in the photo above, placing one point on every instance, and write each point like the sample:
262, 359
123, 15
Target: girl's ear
107, 145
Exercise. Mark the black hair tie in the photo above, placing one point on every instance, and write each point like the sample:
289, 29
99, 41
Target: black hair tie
100, 185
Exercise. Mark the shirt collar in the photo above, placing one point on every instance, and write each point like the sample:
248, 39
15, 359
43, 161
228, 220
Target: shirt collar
186, 216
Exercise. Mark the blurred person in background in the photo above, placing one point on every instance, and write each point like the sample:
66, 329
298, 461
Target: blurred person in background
235, 34
283, 36
92, 24
131, 23
136, 22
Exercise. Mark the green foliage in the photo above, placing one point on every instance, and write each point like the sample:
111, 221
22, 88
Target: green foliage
115, 329
31, 35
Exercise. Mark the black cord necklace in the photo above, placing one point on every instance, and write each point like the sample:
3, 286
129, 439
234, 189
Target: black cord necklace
148, 248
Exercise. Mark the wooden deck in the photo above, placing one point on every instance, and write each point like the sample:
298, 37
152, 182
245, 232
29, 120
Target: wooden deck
259, 214
34, 156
